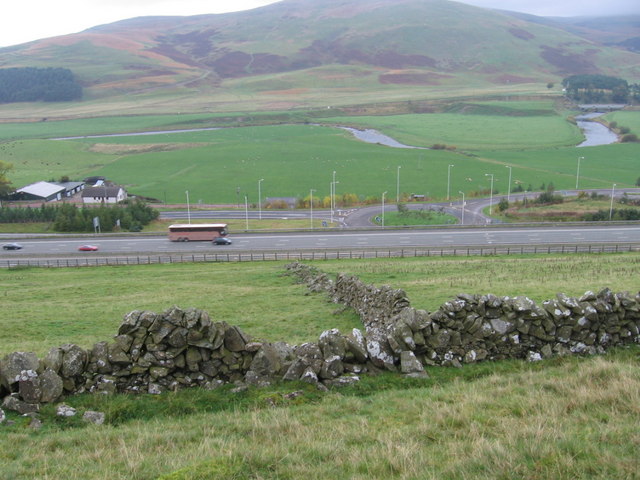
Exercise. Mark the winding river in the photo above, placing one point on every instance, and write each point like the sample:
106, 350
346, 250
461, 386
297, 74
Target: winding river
594, 132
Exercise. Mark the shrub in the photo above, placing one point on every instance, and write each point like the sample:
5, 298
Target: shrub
548, 198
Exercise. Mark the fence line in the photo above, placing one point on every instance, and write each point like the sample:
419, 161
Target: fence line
305, 255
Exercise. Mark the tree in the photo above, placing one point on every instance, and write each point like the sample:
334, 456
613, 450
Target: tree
5, 183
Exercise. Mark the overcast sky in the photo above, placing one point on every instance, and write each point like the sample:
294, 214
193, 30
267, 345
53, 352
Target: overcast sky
25, 20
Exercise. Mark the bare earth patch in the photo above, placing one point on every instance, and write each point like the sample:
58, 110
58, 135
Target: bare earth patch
119, 149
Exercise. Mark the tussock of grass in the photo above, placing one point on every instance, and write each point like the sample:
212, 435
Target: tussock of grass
565, 418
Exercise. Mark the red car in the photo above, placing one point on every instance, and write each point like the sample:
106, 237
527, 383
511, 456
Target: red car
87, 248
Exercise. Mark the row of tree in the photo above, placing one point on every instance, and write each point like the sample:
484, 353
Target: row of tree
130, 215
31, 84
600, 89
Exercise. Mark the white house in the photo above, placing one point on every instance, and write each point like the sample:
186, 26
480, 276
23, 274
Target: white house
103, 194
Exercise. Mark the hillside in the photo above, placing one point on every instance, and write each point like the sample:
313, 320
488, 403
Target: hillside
302, 53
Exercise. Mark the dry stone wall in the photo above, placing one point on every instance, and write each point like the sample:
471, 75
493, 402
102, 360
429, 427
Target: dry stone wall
157, 352
472, 328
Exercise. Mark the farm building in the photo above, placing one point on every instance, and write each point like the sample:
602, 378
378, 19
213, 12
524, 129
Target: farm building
71, 188
103, 194
44, 191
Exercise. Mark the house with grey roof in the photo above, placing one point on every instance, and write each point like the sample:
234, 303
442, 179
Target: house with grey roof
104, 194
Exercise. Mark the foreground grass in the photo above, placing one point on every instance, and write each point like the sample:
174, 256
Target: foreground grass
47, 308
43, 308
567, 418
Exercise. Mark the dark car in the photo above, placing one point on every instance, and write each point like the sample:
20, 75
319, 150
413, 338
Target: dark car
221, 241
88, 248
12, 246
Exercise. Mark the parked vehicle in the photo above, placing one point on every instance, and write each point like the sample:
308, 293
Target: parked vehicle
12, 246
221, 241
87, 248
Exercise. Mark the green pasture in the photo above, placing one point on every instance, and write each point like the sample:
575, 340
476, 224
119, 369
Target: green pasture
48, 307
475, 131
630, 119
222, 166
43, 308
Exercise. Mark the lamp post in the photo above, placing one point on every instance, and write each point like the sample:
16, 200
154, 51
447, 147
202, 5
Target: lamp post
491, 192
462, 193
398, 186
260, 199
509, 186
333, 194
578, 171
246, 212
383, 194
613, 191
333, 197
449, 181
188, 210
311, 205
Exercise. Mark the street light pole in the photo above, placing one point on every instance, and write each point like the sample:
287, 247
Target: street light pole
449, 181
398, 186
260, 199
383, 194
578, 171
311, 205
491, 193
613, 191
509, 187
462, 221
331, 199
333, 194
246, 212
188, 210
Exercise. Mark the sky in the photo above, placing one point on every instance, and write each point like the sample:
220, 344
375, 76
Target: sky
26, 20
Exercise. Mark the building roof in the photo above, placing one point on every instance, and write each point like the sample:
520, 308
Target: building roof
101, 192
41, 189
70, 185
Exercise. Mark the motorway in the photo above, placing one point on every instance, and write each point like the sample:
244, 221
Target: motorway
57, 246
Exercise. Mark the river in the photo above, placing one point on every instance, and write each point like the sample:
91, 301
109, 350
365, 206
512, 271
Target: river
595, 133
373, 136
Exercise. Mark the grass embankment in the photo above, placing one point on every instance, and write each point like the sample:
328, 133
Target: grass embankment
570, 209
406, 217
566, 418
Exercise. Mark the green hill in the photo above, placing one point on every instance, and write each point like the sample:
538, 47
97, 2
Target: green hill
303, 53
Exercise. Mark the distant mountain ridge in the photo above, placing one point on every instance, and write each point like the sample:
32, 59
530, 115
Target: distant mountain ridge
306, 44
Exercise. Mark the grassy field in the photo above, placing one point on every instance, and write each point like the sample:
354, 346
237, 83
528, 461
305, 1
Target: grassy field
86, 305
224, 165
566, 418
521, 126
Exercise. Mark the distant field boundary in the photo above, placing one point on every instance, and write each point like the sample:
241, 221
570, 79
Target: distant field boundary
329, 254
